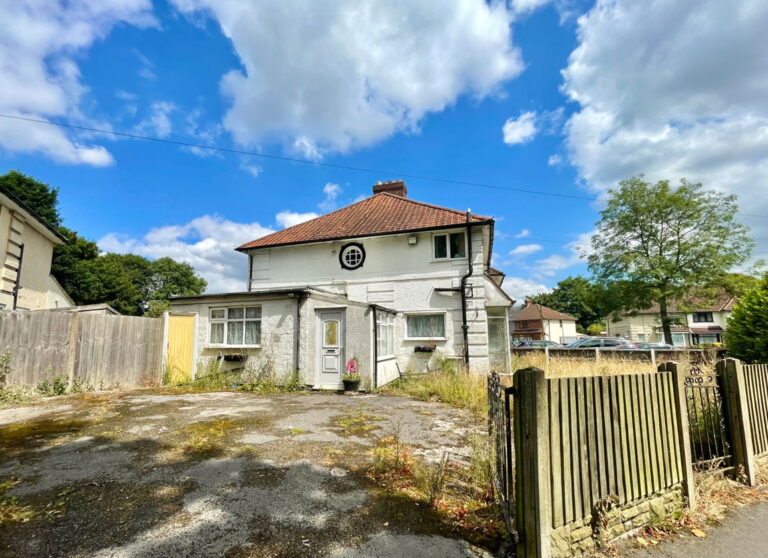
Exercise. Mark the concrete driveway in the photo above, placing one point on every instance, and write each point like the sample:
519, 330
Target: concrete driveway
147, 474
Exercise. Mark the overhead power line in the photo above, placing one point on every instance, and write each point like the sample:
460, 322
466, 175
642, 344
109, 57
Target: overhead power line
315, 163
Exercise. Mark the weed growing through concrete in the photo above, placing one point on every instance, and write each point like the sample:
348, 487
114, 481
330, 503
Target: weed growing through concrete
356, 422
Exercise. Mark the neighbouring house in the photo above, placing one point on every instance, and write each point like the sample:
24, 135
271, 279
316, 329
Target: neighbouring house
394, 283
26, 249
533, 322
697, 322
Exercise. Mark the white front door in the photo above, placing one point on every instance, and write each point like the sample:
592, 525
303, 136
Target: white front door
330, 347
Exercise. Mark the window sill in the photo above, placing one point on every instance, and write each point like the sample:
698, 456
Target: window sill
425, 339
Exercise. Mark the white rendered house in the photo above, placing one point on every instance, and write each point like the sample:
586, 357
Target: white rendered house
394, 283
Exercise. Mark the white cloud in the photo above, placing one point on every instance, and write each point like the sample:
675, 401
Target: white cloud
158, 122
290, 218
527, 6
334, 76
520, 288
331, 192
525, 249
523, 233
555, 160
521, 129
207, 243
671, 90
576, 251
40, 77
250, 168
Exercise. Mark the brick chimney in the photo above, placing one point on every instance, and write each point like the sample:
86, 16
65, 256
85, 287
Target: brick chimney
396, 187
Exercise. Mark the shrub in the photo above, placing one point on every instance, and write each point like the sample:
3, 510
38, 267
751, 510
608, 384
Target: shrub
747, 333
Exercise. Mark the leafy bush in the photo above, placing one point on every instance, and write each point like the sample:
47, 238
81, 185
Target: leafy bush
747, 333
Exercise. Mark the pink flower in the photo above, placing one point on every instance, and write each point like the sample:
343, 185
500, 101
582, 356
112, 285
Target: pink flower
351, 366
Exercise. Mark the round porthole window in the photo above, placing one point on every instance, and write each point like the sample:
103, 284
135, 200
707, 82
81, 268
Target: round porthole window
352, 255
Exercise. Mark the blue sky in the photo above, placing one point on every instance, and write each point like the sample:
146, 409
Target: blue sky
562, 96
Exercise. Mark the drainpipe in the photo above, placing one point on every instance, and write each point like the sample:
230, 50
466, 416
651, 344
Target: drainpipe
297, 333
464, 278
375, 350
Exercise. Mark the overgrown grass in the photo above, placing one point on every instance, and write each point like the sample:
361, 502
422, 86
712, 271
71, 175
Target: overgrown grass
458, 389
611, 363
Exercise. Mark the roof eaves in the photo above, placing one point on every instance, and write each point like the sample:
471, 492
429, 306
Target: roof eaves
34, 214
245, 247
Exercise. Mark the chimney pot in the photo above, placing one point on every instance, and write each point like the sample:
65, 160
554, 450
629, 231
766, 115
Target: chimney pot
394, 187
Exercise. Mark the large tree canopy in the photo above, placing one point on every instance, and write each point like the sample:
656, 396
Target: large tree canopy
586, 301
38, 196
747, 333
658, 243
131, 284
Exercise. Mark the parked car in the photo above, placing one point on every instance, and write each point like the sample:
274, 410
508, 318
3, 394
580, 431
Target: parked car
537, 343
616, 343
657, 346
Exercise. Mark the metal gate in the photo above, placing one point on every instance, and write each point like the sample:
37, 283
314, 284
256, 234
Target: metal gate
710, 443
500, 429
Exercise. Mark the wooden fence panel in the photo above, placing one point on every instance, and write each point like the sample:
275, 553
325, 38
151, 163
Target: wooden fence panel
38, 343
610, 436
756, 379
94, 350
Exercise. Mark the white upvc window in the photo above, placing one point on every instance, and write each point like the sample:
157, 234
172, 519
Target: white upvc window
449, 246
235, 326
385, 335
425, 326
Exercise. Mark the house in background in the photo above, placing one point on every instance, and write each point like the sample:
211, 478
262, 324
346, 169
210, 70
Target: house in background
388, 281
26, 249
534, 322
699, 322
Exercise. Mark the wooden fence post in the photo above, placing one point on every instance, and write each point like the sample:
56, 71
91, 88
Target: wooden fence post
683, 431
532, 482
730, 376
74, 330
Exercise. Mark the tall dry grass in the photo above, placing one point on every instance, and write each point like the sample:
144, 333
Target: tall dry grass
609, 364
458, 389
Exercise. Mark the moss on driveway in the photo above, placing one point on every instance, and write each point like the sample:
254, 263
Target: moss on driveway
145, 474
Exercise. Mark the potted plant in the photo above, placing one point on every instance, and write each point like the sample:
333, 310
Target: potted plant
351, 376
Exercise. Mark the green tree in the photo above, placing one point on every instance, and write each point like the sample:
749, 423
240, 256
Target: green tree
581, 298
656, 243
739, 284
38, 196
747, 333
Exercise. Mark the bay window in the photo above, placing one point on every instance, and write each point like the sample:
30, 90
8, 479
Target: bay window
236, 326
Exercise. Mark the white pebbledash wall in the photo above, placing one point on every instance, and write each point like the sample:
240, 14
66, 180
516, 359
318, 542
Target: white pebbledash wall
398, 275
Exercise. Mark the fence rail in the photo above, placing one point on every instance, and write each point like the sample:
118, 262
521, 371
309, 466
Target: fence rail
94, 350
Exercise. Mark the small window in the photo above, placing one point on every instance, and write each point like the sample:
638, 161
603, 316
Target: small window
641, 337
426, 326
450, 246
703, 317
352, 255
385, 335
238, 326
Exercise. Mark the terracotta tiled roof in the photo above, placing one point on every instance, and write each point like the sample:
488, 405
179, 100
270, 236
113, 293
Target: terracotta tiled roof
378, 215
723, 302
539, 311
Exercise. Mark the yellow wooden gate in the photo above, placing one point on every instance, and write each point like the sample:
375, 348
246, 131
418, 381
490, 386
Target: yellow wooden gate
180, 357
